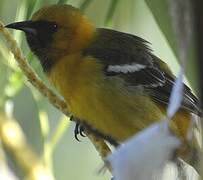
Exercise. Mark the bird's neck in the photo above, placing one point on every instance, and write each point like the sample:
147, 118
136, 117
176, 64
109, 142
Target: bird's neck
83, 36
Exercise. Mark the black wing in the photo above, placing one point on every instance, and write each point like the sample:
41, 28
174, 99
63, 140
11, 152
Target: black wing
116, 49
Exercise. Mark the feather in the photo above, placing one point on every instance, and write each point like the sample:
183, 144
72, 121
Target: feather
129, 58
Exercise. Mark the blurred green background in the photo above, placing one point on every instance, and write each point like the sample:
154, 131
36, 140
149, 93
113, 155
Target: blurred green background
48, 132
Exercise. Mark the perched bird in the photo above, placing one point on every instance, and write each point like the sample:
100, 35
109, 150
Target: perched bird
111, 81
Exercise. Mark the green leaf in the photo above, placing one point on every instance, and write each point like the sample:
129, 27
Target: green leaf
20, 16
160, 11
84, 5
33, 6
15, 83
4, 71
62, 1
111, 11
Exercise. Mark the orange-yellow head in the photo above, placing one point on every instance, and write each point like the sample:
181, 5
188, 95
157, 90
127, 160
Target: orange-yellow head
56, 31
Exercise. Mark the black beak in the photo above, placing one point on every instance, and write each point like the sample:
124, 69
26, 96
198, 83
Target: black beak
26, 26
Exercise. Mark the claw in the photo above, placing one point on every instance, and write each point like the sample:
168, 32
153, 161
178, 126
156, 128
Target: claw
76, 131
81, 129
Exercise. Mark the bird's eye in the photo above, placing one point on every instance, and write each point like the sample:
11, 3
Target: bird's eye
55, 26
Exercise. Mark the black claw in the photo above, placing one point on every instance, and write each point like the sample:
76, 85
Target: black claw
76, 131
82, 134
82, 129
79, 130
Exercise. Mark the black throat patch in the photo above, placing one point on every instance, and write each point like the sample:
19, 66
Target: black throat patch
40, 41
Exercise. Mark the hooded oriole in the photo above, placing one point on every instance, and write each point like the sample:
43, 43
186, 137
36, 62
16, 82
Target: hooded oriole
110, 80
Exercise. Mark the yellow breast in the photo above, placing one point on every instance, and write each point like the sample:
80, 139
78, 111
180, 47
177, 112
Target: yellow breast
102, 103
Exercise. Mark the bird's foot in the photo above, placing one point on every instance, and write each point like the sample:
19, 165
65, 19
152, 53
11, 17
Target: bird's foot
79, 130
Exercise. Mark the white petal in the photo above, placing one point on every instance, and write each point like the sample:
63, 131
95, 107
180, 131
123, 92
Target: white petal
145, 155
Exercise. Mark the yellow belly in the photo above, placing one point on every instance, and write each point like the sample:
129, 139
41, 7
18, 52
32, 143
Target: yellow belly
101, 103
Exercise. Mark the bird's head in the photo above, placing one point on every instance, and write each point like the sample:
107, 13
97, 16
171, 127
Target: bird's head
56, 31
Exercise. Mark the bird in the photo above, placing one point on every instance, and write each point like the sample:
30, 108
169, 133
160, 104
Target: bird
113, 84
